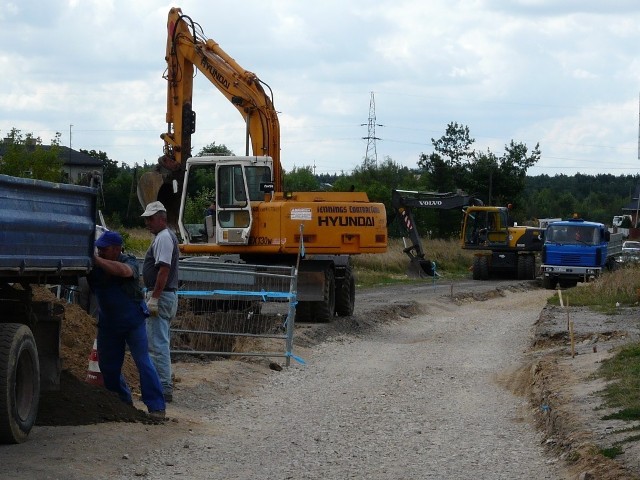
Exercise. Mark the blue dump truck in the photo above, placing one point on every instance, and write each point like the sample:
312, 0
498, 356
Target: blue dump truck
577, 251
46, 238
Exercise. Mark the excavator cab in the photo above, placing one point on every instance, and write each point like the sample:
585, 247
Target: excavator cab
485, 226
230, 185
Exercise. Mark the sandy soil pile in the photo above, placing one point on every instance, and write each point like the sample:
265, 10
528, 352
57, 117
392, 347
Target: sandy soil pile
78, 402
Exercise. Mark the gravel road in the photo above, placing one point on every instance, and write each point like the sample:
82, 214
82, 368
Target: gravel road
410, 398
409, 387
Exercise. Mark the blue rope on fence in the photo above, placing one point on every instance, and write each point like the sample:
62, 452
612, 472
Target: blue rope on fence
264, 295
296, 358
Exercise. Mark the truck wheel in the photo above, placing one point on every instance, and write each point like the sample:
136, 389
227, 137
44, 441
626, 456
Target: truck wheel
567, 283
481, 267
476, 268
529, 267
303, 312
346, 294
19, 382
549, 283
520, 267
320, 310
325, 310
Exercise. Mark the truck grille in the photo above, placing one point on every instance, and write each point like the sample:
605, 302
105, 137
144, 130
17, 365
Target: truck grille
573, 259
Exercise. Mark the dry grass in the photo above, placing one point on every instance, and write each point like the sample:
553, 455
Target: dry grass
621, 286
450, 259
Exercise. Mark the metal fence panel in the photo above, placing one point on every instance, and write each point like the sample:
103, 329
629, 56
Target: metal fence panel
235, 309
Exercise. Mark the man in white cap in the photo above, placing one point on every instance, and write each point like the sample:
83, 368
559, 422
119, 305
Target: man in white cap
160, 275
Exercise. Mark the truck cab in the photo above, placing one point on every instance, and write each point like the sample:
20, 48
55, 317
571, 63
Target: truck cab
575, 251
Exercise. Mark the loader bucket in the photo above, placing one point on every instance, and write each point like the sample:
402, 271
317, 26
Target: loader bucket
420, 268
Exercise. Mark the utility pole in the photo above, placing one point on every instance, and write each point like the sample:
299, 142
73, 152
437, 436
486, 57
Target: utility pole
70, 126
371, 133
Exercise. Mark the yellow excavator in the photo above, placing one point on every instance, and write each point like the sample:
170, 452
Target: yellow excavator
250, 214
499, 245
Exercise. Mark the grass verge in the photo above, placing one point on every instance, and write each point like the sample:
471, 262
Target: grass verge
619, 288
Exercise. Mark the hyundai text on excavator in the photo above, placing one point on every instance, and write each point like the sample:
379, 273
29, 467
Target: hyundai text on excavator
500, 246
404, 202
254, 218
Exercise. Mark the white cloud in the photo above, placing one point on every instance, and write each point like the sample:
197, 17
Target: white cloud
562, 73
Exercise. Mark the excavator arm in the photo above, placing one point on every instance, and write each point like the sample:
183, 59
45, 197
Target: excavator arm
404, 202
189, 50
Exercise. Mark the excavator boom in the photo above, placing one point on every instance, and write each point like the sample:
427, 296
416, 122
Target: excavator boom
404, 202
188, 50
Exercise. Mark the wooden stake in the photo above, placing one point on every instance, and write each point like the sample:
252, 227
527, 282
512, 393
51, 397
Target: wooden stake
560, 296
573, 344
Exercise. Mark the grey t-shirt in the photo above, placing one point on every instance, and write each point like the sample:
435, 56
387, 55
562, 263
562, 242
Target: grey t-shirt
163, 251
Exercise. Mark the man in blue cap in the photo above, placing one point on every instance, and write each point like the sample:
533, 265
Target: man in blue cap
121, 321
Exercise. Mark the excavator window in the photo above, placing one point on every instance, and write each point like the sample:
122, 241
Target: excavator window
231, 192
256, 177
486, 228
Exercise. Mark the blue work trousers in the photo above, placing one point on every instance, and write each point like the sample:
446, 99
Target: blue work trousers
111, 350
158, 331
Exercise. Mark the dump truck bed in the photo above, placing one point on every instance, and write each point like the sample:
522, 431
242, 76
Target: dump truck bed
46, 229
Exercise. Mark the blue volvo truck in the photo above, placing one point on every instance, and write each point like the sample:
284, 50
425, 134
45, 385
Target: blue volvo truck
575, 251
46, 238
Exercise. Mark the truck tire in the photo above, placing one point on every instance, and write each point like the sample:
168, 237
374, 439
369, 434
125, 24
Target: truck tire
19, 382
567, 283
549, 283
325, 310
530, 267
520, 267
346, 294
321, 311
480, 267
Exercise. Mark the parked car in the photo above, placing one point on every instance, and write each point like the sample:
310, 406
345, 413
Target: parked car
630, 252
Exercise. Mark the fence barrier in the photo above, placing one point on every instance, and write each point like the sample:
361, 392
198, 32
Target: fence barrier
230, 309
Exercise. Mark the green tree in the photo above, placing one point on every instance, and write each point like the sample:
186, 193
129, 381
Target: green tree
213, 149
447, 166
110, 169
377, 181
301, 180
509, 182
25, 156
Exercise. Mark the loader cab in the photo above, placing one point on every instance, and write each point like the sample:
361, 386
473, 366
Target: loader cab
231, 183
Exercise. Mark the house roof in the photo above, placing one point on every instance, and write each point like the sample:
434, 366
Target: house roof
70, 157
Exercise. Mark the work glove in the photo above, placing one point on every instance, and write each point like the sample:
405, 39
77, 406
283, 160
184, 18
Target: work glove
152, 305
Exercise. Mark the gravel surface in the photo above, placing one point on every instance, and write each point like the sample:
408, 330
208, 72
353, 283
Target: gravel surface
406, 398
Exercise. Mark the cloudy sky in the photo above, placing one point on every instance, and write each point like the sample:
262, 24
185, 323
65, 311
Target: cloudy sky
564, 73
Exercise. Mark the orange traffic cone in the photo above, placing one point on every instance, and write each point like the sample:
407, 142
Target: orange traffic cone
94, 376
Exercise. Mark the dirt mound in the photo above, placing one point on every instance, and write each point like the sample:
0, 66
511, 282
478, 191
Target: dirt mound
80, 403
77, 402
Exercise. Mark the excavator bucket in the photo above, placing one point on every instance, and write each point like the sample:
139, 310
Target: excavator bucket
419, 268
152, 186
148, 187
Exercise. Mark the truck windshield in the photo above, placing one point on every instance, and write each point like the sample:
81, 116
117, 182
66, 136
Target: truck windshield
573, 234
